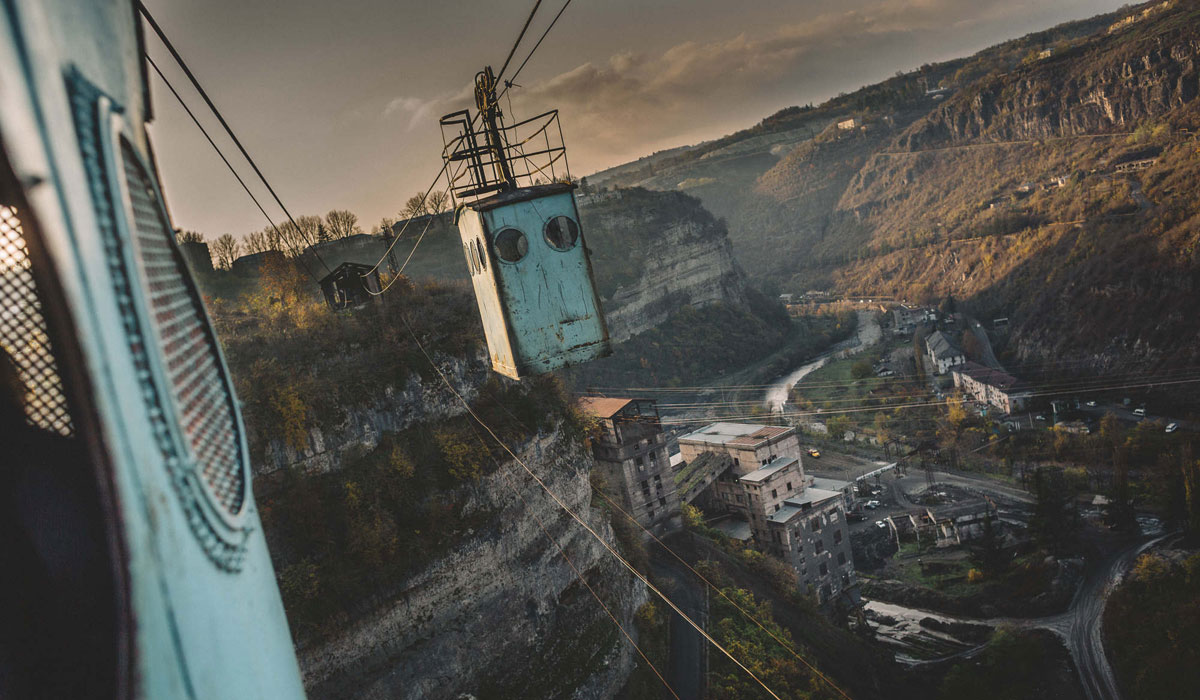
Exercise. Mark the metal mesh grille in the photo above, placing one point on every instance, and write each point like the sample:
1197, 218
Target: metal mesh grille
23, 333
192, 364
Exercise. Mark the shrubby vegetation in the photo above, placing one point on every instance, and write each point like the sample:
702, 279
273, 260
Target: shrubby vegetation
1015, 666
1152, 627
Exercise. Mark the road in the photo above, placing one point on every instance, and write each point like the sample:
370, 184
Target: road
989, 355
1081, 626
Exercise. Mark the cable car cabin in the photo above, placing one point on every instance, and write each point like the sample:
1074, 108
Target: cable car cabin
350, 284
533, 280
131, 549
523, 243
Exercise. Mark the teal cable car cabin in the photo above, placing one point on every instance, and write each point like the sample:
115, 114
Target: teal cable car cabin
522, 241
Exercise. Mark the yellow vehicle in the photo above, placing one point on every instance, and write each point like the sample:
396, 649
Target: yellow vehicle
812, 452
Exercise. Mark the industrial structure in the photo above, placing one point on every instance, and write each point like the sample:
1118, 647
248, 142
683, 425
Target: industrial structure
630, 450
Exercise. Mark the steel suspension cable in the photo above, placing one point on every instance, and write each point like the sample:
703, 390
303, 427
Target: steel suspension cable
217, 148
617, 555
513, 50
217, 113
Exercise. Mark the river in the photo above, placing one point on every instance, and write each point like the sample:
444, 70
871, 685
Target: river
868, 334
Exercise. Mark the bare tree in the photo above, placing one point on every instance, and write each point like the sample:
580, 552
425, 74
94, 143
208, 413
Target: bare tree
310, 229
342, 223
291, 239
437, 201
415, 206
189, 236
385, 226
225, 250
258, 242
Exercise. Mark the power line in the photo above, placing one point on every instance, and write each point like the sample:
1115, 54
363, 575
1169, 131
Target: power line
579, 574
624, 562
510, 81
216, 112
520, 36
787, 647
221, 154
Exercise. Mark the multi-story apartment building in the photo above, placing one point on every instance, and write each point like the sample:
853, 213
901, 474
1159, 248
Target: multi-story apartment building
630, 450
810, 532
756, 472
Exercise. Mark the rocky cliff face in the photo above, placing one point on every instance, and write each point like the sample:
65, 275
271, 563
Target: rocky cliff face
392, 410
654, 252
1107, 84
502, 615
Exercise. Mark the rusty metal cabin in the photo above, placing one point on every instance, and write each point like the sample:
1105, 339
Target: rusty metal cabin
350, 284
522, 241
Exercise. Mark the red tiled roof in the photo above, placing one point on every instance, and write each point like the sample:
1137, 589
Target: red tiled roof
602, 407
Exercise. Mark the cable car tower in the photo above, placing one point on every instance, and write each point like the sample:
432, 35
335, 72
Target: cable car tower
515, 208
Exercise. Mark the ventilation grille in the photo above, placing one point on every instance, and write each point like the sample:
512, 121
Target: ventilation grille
23, 333
190, 356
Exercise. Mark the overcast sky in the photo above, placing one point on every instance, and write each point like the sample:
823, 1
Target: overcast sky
338, 101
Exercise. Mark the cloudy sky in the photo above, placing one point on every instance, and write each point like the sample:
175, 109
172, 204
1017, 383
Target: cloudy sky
338, 101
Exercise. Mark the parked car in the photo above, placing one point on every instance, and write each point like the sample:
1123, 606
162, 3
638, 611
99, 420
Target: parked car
1139, 412
872, 504
1040, 417
1172, 427
880, 523
814, 452
1091, 404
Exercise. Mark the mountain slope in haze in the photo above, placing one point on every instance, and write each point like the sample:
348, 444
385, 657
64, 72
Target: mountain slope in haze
1050, 179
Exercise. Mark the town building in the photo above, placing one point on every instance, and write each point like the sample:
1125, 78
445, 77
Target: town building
942, 353
810, 532
907, 318
991, 387
756, 473
630, 449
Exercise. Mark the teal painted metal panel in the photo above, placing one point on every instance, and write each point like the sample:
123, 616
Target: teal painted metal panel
540, 310
200, 609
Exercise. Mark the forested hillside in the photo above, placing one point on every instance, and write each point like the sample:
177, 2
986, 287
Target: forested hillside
1047, 179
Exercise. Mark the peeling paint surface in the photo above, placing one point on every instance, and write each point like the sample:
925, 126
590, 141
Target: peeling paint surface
540, 312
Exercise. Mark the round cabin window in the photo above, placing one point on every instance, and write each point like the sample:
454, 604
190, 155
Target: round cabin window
511, 245
562, 233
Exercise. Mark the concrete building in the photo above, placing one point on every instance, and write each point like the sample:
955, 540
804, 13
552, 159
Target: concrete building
252, 265
907, 318
810, 532
942, 353
630, 449
849, 124
756, 473
992, 387
749, 446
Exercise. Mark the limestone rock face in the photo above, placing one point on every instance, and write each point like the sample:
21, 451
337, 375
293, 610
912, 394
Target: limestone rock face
654, 252
1070, 95
392, 410
502, 614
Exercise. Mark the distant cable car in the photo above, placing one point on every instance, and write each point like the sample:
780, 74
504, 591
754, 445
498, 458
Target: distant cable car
350, 284
131, 549
522, 240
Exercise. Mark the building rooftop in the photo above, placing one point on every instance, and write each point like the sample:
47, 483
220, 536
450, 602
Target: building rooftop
940, 345
820, 482
601, 407
987, 375
768, 470
812, 496
737, 434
